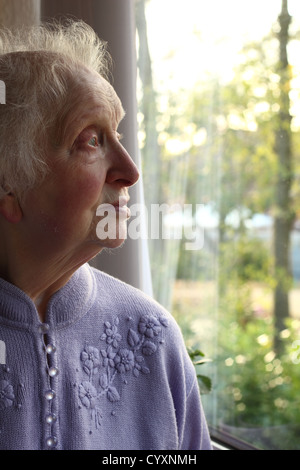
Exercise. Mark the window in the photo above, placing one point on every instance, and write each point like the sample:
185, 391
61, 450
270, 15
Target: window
219, 121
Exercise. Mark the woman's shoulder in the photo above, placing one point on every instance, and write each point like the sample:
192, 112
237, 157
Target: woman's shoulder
131, 304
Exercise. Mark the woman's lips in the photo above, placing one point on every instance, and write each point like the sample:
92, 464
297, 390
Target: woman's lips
122, 201
120, 206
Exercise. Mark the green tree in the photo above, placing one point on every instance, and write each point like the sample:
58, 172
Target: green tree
249, 120
243, 164
284, 215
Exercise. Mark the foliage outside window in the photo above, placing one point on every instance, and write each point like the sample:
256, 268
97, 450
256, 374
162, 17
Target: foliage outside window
219, 131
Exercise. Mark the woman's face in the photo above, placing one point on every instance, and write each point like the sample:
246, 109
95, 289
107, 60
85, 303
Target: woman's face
89, 168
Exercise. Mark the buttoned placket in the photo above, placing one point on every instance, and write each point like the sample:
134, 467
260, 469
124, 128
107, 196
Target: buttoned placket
50, 392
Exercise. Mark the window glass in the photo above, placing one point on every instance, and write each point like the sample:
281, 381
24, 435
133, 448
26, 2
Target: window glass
219, 120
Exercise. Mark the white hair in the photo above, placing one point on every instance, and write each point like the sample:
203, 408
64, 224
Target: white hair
37, 65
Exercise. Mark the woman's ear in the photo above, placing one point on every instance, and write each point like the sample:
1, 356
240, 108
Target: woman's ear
10, 208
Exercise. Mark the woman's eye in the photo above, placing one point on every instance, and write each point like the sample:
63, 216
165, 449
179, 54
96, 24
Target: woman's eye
93, 141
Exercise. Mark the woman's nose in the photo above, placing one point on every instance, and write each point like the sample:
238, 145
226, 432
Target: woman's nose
122, 170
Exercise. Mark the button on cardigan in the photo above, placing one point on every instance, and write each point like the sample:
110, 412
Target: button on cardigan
107, 370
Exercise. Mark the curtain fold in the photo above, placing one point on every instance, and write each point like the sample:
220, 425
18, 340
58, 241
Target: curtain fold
16, 13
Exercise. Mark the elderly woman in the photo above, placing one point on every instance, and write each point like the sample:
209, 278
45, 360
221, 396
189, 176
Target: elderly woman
90, 363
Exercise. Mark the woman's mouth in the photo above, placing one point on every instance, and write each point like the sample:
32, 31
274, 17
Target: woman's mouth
120, 206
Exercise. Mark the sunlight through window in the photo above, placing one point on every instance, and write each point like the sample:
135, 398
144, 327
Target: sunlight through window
219, 117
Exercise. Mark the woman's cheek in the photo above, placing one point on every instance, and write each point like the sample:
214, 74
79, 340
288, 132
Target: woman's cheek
88, 188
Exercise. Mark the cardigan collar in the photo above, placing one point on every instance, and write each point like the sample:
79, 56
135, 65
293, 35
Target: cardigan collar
65, 306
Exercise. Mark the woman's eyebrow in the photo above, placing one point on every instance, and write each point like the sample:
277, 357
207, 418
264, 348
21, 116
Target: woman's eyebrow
102, 110
76, 122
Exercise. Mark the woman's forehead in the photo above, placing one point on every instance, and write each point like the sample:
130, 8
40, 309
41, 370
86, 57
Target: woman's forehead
99, 89
92, 98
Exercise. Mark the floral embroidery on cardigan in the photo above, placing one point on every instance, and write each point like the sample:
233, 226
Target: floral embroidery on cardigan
117, 356
10, 395
6, 394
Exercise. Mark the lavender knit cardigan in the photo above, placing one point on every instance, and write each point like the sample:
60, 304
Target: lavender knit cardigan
107, 370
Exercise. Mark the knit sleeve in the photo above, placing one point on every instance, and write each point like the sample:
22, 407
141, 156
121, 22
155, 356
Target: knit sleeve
192, 426
152, 345
194, 431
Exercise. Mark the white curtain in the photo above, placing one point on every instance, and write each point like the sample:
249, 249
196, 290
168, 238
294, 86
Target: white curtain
14, 13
